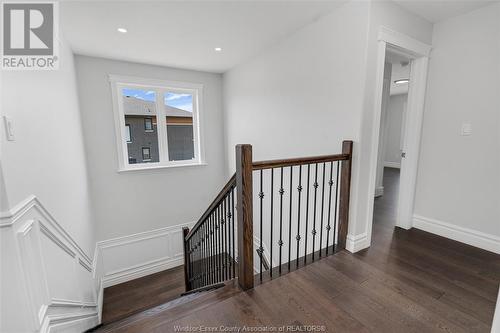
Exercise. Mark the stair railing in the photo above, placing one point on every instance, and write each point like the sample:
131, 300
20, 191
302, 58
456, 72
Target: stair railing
220, 246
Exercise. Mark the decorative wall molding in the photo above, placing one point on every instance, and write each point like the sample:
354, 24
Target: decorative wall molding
403, 41
465, 235
355, 243
133, 256
10, 217
47, 254
53, 273
396, 165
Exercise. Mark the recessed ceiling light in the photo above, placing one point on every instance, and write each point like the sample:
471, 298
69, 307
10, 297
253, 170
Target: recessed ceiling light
122, 30
218, 49
401, 81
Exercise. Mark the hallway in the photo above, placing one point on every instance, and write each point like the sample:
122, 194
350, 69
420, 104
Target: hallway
407, 281
385, 207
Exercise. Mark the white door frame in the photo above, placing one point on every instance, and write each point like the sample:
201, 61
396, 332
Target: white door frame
419, 52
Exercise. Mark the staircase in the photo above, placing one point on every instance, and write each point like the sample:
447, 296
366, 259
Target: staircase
220, 247
171, 311
270, 218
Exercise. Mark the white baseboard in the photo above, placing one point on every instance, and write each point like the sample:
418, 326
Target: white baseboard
133, 256
396, 165
139, 271
379, 191
71, 323
468, 236
355, 243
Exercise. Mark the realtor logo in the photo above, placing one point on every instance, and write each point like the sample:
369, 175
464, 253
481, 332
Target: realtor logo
29, 36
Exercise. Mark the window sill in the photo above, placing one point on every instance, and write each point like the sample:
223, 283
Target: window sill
162, 166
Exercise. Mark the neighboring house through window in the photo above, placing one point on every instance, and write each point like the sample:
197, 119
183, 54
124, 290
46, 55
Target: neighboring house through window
163, 118
128, 134
146, 154
148, 124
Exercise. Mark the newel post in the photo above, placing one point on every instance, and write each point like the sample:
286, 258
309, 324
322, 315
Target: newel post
244, 208
185, 232
345, 190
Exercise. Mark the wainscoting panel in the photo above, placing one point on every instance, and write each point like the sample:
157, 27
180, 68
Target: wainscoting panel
126, 258
54, 281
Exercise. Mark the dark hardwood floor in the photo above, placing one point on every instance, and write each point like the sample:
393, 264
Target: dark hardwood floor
125, 299
407, 281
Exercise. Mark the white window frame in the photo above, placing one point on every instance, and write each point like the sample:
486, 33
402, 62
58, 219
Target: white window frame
160, 87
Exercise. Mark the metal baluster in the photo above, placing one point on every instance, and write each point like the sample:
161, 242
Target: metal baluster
272, 213
229, 223
223, 236
190, 275
290, 221
314, 214
226, 248
195, 268
209, 252
328, 226
193, 263
234, 222
307, 212
214, 249
280, 243
260, 250
336, 204
216, 246
322, 212
201, 255
196, 259
219, 250
204, 253
299, 189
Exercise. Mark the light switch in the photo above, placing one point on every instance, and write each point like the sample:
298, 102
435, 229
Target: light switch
466, 129
9, 128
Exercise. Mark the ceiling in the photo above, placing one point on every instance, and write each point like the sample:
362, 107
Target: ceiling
439, 10
184, 34
400, 70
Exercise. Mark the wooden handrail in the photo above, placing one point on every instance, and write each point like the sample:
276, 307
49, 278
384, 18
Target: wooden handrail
209, 244
231, 183
299, 161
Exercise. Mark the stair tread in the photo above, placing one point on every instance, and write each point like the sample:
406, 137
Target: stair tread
174, 309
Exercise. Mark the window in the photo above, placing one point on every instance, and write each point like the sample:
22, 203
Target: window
128, 136
146, 154
163, 118
148, 124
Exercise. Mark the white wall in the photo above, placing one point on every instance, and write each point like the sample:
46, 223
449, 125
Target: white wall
47, 159
458, 179
46, 225
303, 96
138, 201
395, 110
315, 88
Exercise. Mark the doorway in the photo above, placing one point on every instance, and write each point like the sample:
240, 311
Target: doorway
392, 42
397, 70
